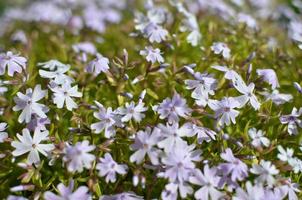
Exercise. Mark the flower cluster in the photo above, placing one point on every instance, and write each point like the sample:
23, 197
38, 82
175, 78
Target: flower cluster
133, 100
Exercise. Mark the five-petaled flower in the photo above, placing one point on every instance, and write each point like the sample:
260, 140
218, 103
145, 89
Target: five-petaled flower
98, 65
152, 55
63, 94
66, 192
145, 142
109, 168
78, 157
28, 104
32, 145
13, 63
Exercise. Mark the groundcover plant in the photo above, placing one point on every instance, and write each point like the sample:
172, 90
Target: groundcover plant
151, 99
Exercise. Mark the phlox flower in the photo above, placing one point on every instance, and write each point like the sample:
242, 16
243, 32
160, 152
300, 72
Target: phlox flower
252, 192
290, 189
221, 48
53, 64
38, 123
258, 138
229, 74
266, 171
274, 193
171, 135
155, 33
292, 120
234, 166
109, 168
296, 164
85, 47
194, 37
203, 133
247, 91
152, 55
285, 155
208, 180
78, 157
189, 24
277, 97
173, 108
68, 192
58, 76
98, 65
145, 142
203, 85
225, 109
94, 19
170, 192
132, 111
179, 162
19, 36
33, 145
151, 25
28, 104
270, 76
13, 63
108, 120
248, 95
62, 94
201, 99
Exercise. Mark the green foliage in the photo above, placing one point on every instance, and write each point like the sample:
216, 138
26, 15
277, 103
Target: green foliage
56, 44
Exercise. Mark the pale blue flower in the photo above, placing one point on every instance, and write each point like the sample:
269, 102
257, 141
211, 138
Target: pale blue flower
132, 111
13, 63
221, 48
53, 64
28, 104
32, 145
78, 157
109, 168
108, 120
277, 97
234, 166
180, 162
62, 95
265, 171
292, 120
98, 65
258, 138
255, 192
152, 55
145, 142
173, 108
171, 135
208, 180
68, 192
270, 76
225, 109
